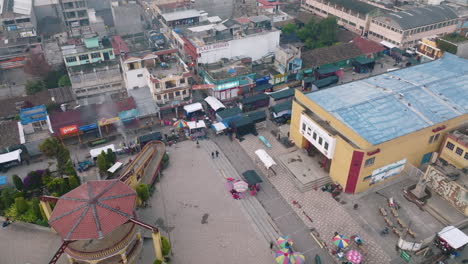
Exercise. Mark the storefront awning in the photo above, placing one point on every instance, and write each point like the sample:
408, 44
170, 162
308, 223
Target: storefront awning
11, 156
454, 237
193, 108
266, 159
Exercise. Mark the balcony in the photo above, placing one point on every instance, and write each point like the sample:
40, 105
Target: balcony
431, 54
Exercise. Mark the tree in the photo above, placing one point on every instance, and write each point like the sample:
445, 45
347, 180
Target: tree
111, 157
289, 28
21, 205
58, 185
64, 81
37, 65
73, 182
52, 148
33, 87
102, 163
142, 191
33, 180
17, 182
166, 246
36, 208
7, 197
321, 34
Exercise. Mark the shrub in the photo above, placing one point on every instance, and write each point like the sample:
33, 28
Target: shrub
166, 246
33, 180
58, 185
7, 197
157, 262
165, 161
36, 209
21, 205
17, 182
142, 192
73, 182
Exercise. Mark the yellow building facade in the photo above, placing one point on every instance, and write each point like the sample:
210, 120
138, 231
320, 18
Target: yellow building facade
368, 130
454, 150
427, 49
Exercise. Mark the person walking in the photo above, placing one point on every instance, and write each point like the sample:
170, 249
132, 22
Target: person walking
217, 153
212, 155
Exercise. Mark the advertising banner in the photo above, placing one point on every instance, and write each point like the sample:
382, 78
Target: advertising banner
108, 121
68, 130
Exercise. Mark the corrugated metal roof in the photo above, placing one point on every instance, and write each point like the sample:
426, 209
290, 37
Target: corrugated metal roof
420, 16
400, 102
22, 7
181, 15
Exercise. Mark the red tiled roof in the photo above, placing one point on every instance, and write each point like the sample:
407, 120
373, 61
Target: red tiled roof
118, 45
367, 46
242, 20
93, 210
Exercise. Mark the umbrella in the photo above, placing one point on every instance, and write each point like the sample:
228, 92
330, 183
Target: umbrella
179, 124
241, 186
341, 241
283, 257
354, 256
284, 242
297, 258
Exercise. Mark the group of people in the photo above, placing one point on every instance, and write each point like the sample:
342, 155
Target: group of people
214, 153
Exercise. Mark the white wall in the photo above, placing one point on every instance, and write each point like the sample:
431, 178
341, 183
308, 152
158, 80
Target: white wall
308, 129
255, 46
132, 79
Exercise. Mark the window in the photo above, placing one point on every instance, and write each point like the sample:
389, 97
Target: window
309, 131
431, 139
95, 55
450, 145
177, 93
182, 81
466, 155
369, 162
459, 151
436, 137
140, 75
303, 127
325, 146
84, 57
158, 97
184, 92
320, 141
70, 59
314, 136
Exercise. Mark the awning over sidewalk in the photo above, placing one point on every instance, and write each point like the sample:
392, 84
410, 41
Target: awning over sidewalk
266, 159
454, 237
11, 156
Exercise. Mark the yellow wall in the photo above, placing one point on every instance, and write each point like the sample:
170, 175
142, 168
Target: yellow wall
452, 157
411, 146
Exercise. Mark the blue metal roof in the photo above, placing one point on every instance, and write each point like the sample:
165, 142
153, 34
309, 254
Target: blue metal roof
397, 103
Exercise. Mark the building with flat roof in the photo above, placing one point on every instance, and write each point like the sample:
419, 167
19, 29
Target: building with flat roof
455, 148
18, 19
127, 17
367, 131
406, 28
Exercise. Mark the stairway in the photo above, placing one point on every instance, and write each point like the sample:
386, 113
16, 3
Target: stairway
283, 169
255, 211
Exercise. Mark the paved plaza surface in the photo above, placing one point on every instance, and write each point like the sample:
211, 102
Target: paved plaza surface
28, 244
327, 215
193, 208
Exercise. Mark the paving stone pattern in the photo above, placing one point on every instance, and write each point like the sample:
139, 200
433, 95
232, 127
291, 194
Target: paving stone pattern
328, 216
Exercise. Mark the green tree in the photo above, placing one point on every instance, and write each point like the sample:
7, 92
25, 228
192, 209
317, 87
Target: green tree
33, 87
111, 157
142, 191
52, 148
64, 81
165, 161
17, 182
321, 34
73, 182
157, 262
166, 246
58, 185
7, 197
36, 208
102, 163
21, 205
289, 28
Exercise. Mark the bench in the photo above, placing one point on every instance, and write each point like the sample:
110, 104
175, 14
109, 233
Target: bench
383, 211
396, 231
389, 223
411, 233
394, 212
401, 223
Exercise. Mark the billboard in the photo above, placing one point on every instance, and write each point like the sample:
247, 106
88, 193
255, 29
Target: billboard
68, 130
202, 86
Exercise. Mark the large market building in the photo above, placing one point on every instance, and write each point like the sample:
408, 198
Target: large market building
369, 130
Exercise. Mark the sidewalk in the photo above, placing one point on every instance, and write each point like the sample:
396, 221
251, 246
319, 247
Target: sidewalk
271, 202
327, 215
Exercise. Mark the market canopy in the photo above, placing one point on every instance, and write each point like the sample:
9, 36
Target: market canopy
258, 116
220, 126
95, 152
195, 125
327, 69
251, 177
282, 94
266, 159
254, 98
193, 107
115, 167
11, 156
230, 112
214, 103
454, 237
262, 87
284, 106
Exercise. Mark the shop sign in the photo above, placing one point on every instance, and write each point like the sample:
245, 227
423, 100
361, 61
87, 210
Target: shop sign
108, 121
202, 86
128, 115
87, 127
68, 130
216, 46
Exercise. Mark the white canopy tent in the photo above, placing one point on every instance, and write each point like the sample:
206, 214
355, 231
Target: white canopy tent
115, 167
195, 125
214, 103
193, 108
266, 159
95, 152
388, 44
453, 236
219, 127
11, 156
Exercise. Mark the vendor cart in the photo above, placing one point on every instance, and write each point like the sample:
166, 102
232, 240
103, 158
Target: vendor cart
253, 179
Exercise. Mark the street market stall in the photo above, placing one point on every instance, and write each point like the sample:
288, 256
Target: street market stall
252, 178
450, 239
196, 128
10, 159
243, 126
193, 110
219, 127
259, 118
266, 159
254, 102
214, 104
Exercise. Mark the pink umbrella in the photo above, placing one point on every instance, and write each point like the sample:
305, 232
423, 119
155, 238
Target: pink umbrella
241, 186
354, 256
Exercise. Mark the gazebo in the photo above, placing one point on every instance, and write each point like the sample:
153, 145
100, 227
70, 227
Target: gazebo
97, 224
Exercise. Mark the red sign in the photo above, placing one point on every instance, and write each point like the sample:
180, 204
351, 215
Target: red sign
202, 86
68, 130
